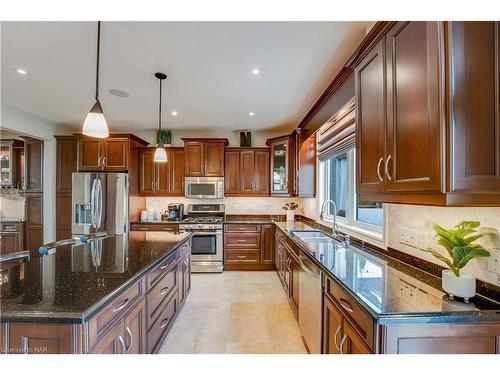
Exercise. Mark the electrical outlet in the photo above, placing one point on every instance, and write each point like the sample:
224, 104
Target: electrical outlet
412, 238
494, 261
422, 240
402, 236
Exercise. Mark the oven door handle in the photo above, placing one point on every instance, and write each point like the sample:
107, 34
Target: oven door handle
216, 232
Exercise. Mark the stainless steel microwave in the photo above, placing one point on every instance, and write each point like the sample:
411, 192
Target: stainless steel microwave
204, 187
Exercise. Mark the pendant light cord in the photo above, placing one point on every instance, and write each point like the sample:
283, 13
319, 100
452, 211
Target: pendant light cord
97, 65
159, 111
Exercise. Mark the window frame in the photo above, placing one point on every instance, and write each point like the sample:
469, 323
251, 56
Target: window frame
370, 233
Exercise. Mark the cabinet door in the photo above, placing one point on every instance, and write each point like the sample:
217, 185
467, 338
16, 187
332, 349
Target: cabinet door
214, 159
135, 330
332, 327
351, 343
115, 154
34, 223
293, 284
267, 244
67, 162
162, 180
247, 172
90, 154
9, 243
414, 126
370, 121
261, 173
232, 172
475, 102
194, 159
147, 175
40, 338
280, 168
113, 342
184, 274
33, 159
307, 168
176, 162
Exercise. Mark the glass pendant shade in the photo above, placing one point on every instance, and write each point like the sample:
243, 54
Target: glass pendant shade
160, 154
95, 124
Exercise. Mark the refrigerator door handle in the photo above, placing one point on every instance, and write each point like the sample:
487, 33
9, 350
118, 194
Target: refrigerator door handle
99, 201
93, 203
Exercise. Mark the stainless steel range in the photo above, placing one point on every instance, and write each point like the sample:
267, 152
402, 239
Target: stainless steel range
206, 223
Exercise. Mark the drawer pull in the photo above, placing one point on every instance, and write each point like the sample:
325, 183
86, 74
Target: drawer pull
129, 333
164, 323
242, 240
164, 290
335, 338
143, 228
342, 344
124, 304
346, 305
122, 343
241, 256
165, 266
9, 227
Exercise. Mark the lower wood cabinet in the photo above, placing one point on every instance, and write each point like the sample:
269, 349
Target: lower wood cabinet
11, 238
248, 247
288, 268
135, 322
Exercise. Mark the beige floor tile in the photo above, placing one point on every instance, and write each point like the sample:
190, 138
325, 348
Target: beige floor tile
235, 313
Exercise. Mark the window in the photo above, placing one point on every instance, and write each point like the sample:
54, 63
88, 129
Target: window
338, 183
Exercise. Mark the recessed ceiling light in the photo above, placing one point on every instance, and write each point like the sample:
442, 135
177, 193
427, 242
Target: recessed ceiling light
255, 71
174, 113
251, 114
119, 93
21, 71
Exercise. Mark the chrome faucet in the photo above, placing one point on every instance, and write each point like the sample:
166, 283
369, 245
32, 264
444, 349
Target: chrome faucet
335, 226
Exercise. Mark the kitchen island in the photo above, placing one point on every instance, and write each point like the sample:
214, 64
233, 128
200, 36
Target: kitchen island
120, 294
373, 303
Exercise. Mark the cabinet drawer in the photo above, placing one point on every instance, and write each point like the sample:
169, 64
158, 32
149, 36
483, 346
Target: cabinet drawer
159, 293
358, 316
98, 326
242, 256
242, 228
156, 273
162, 324
10, 227
242, 240
155, 227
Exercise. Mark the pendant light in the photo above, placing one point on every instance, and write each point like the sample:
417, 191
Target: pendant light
95, 124
160, 153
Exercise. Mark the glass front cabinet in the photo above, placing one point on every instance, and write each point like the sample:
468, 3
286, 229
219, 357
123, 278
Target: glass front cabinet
283, 173
9, 162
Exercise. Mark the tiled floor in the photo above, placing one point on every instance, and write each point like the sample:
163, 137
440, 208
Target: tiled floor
235, 312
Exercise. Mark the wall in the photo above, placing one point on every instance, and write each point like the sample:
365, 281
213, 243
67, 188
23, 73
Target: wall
234, 205
24, 123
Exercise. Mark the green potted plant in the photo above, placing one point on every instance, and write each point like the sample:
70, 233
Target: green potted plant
460, 245
164, 137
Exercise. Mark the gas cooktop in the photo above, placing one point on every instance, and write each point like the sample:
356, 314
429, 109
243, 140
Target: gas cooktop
202, 220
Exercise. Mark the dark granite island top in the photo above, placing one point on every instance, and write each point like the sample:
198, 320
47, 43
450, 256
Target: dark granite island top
391, 291
74, 283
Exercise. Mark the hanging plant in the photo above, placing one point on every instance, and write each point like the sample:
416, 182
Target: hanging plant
164, 137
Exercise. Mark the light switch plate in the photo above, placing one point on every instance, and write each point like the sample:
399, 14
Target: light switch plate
423, 243
412, 238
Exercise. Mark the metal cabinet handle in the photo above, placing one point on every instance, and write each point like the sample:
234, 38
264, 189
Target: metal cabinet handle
241, 256
164, 323
165, 266
378, 169
124, 304
98, 161
152, 185
342, 344
104, 161
122, 343
129, 333
242, 240
387, 168
346, 305
335, 338
164, 290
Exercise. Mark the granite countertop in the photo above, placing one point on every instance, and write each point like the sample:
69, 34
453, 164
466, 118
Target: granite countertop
252, 219
392, 291
75, 282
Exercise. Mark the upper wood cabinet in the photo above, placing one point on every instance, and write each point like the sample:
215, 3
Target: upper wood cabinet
283, 174
246, 171
307, 160
110, 154
162, 179
475, 104
204, 157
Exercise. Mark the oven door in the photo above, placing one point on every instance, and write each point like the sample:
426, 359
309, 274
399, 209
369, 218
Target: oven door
206, 246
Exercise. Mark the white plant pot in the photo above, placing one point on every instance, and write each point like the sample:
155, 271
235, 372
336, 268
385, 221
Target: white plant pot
463, 286
290, 215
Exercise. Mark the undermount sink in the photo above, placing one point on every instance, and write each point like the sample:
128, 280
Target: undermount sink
312, 236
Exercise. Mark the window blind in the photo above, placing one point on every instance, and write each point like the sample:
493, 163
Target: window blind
338, 134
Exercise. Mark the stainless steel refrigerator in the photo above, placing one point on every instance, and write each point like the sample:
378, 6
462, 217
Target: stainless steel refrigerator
99, 203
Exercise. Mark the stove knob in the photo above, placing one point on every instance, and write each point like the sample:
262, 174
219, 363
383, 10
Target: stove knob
211, 226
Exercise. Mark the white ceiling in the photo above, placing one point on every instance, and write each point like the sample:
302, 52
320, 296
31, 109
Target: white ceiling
208, 66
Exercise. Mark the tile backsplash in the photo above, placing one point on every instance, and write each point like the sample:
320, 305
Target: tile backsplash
419, 220
234, 205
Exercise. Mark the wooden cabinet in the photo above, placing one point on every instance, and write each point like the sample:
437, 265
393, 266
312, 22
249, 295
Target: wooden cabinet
39, 339
283, 174
11, 163
246, 172
184, 274
474, 99
307, 169
293, 269
11, 238
332, 327
204, 157
248, 247
134, 330
161, 179
112, 343
33, 165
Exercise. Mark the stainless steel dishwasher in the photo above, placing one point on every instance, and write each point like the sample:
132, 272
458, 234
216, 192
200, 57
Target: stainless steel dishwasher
310, 305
